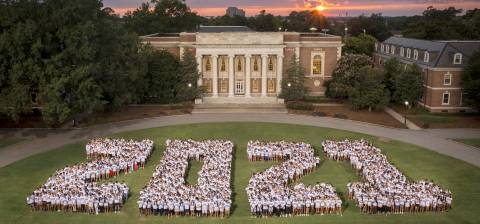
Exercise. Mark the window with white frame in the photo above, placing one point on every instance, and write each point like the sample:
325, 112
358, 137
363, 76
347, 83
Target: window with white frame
317, 65
446, 98
457, 59
382, 47
426, 57
447, 79
415, 54
402, 51
409, 52
392, 50
387, 49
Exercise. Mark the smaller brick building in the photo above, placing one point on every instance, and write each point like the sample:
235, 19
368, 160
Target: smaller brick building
442, 64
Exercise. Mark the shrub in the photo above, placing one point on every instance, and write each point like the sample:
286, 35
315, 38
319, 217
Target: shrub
296, 105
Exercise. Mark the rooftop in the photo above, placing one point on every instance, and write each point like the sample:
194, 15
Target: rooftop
220, 29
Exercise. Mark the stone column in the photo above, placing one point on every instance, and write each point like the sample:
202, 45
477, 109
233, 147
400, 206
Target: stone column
182, 52
231, 77
297, 53
215, 75
279, 73
199, 63
264, 74
248, 71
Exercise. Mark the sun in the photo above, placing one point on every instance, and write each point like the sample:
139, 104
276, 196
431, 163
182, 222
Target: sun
320, 8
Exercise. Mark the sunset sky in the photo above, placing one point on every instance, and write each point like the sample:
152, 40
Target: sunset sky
329, 7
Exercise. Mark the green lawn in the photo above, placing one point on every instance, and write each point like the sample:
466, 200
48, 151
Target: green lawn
19, 179
473, 141
4, 142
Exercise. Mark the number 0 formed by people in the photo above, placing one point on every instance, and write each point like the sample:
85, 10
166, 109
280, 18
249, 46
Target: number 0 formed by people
168, 194
75, 188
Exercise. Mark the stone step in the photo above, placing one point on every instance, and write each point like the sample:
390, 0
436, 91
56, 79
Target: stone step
230, 108
242, 100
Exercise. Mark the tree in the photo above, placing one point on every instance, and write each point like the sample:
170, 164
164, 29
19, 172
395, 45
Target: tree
161, 77
186, 88
293, 86
436, 24
304, 20
264, 22
369, 90
392, 69
363, 44
409, 85
471, 81
166, 16
374, 25
345, 75
71, 56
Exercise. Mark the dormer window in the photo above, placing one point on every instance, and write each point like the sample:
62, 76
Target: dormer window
415, 54
457, 59
402, 51
409, 52
387, 49
392, 50
426, 57
382, 47
376, 46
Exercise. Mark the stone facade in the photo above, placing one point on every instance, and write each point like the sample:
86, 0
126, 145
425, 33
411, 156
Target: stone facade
252, 64
442, 64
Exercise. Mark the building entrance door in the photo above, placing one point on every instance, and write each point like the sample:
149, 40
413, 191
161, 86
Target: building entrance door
239, 87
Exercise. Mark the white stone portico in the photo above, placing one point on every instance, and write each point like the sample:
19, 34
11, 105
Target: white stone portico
248, 65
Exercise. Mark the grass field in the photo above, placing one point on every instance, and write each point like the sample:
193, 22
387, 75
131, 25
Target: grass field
19, 179
473, 141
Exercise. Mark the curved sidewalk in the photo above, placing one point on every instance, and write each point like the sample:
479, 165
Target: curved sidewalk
44, 139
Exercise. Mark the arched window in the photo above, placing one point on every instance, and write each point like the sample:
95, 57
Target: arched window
409, 53
392, 50
208, 65
239, 65
255, 65
415, 54
317, 65
223, 66
270, 64
402, 51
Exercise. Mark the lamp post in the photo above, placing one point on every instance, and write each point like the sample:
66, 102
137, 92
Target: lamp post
189, 85
406, 109
289, 85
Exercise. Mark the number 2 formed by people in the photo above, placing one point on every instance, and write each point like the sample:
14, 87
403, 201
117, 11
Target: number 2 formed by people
268, 191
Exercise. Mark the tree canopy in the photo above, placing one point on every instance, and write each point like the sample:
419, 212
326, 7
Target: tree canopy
362, 44
293, 85
471, 81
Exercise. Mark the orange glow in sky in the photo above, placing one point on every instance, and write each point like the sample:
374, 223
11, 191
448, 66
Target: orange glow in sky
327, 7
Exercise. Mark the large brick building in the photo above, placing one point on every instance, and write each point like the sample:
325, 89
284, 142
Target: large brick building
240, 65
442, 64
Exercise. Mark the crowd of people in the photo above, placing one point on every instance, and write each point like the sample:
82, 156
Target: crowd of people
168, 194
74, 188
268, 191
385, 189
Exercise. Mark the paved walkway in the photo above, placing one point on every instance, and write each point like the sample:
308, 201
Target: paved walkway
401, 118
43, 139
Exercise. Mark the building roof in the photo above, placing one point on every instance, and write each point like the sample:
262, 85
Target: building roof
431, 46
220, 29
441, 52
